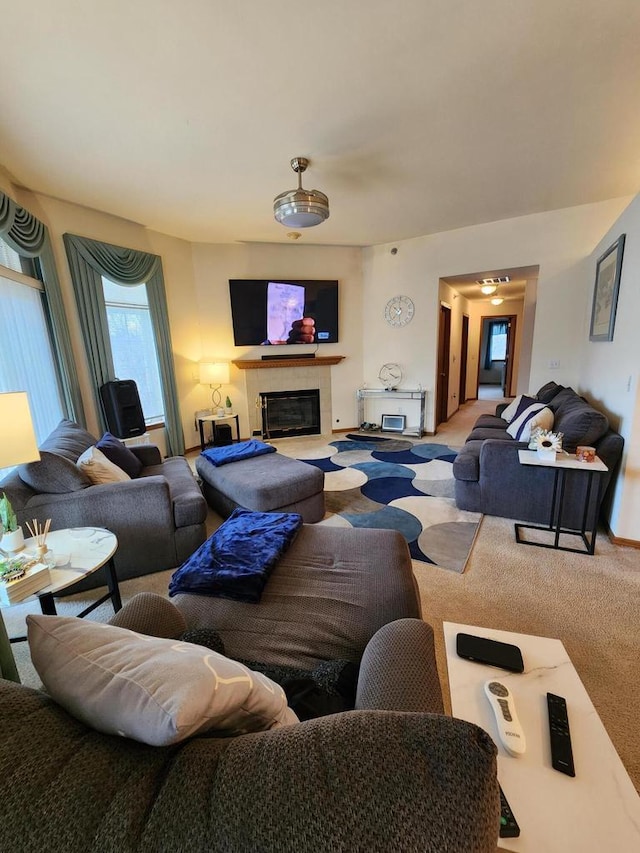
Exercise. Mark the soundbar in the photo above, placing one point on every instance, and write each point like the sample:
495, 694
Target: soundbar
288, 356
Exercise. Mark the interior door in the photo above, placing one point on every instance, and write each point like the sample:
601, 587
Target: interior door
444, 347
464, 351
507, 390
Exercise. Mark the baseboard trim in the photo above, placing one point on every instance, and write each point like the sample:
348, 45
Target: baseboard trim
619, 540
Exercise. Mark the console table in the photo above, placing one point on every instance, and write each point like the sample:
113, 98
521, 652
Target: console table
363, 394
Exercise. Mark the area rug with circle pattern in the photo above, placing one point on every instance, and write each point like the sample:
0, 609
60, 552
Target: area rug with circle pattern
395, 483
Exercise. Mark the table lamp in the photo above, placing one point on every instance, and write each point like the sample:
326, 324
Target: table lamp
17, 445
215, 374
17, 439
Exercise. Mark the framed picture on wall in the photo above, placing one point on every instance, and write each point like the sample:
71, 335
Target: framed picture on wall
605, 292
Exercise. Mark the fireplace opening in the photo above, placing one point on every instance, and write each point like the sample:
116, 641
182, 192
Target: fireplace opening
289, 413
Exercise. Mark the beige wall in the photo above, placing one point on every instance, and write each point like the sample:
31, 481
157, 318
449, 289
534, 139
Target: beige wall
214, 265
557, 241
196, 280
609, 370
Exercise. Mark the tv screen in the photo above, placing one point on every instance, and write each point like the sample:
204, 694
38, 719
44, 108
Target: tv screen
270, 312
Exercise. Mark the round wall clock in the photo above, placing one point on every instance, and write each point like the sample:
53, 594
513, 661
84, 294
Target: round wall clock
399, 311
390, 375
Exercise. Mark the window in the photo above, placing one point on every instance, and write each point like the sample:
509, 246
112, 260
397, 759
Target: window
133, 344
498, 341
26, 356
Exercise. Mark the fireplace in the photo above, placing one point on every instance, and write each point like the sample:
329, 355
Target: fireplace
289, 413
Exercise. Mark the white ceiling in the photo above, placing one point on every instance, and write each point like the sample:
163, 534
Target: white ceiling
418, 116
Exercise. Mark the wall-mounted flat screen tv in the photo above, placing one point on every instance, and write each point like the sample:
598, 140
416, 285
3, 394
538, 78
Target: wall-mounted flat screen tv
283, 311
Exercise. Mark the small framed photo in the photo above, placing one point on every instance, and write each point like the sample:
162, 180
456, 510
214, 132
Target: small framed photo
393, 423
605, 292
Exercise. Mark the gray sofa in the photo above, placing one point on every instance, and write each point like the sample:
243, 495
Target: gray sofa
394, 774
158, 517
490, 479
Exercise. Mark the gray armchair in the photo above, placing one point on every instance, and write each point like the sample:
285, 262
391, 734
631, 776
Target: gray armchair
158, 517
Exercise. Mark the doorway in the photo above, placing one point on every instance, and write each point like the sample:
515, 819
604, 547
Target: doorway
444, 348
496, 356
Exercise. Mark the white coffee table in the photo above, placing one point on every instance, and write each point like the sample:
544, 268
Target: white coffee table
89, 548
599, 809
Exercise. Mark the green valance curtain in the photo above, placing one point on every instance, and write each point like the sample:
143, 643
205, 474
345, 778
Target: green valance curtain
29, 237
89, 260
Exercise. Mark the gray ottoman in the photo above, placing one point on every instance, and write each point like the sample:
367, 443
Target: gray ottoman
268, 483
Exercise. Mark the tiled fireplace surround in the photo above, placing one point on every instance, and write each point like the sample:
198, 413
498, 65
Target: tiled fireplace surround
295, 378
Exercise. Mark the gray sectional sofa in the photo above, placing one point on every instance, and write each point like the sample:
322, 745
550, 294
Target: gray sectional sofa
158, 517
395, 774
490, 479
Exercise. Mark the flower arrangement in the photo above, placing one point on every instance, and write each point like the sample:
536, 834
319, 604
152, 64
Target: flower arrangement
547, 444
548, 440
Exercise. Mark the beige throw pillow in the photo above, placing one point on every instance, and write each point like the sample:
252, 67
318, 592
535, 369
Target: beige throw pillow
153, 690
95, 465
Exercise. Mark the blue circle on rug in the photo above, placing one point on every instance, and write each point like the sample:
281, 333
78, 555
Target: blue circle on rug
376, 470
389, 517
435, 451
324, 464
407, 457
351, 445
390, 489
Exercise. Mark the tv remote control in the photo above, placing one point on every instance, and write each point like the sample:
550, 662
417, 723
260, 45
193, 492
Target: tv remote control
508, 824
559, 736
504, 709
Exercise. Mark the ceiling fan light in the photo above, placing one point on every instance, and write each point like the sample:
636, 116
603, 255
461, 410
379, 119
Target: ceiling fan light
300, 208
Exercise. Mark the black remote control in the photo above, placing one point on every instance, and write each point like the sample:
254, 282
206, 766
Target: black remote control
561, 752
508, 825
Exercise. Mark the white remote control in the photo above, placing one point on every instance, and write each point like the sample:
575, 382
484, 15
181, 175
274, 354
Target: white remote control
509, 728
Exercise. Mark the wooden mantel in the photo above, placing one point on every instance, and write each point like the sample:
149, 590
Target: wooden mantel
259, 364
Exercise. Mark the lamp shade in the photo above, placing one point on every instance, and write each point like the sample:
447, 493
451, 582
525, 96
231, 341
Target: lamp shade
214, 372
17, 439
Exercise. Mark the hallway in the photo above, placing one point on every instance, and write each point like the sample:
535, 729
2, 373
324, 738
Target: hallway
459, 425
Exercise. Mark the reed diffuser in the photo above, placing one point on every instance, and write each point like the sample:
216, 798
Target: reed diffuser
39, 533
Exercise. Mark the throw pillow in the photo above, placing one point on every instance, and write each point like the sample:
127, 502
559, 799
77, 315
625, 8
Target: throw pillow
120, 455
509, 412
543, 419
548, 392
99, 469
156, 691
520, 427
53, 474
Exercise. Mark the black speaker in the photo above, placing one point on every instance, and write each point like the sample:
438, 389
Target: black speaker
122, 408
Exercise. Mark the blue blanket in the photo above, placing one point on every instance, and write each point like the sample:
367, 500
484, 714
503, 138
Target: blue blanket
234, 452
236, 561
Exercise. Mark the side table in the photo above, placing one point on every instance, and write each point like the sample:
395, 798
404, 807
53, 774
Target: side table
561, 465
89, 548
213, 419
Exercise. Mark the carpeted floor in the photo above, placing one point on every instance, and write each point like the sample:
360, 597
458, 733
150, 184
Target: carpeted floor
399, 484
